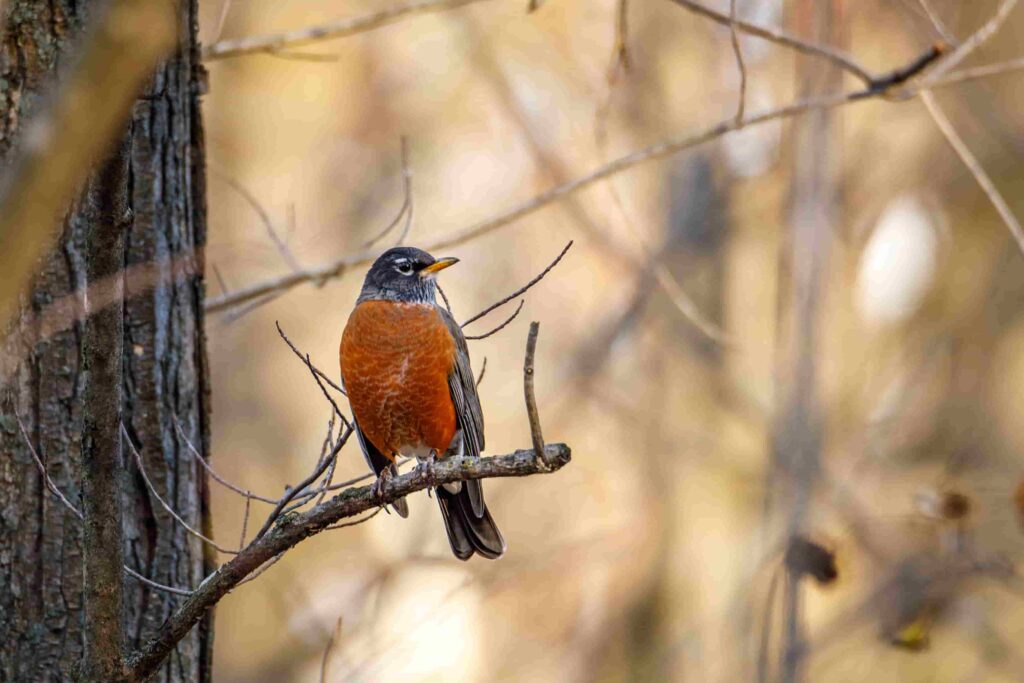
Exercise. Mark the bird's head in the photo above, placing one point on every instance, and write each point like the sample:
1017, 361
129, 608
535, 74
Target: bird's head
404, 274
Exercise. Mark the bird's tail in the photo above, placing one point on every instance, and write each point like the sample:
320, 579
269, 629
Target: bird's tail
468, 522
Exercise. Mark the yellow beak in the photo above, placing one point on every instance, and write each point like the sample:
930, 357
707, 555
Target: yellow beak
438, 265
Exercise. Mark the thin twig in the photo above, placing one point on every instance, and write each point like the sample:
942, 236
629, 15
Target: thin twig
220, 279
499, 328
522, 289
620, 59
937, 23
336, 29
976, 40
406, 197
734, 37
288, 497
163, 503
42, 471
225, 7
977, 72
153, 584
327, 651
444, 298
656, 151
213, 473
531, 400
245, 522
974, 166
304, 357
260, 571
52, 488
356, 522
483, 370
261, 211
837, 57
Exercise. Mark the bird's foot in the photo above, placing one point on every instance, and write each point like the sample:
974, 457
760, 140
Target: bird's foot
425, 469
377, 488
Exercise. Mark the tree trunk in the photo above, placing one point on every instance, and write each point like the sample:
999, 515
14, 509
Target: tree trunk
164, 371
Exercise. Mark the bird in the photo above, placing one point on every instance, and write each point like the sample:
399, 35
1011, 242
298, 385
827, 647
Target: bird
406, 369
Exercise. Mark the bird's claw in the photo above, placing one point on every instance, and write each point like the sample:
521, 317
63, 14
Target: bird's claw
377, 488
425, 468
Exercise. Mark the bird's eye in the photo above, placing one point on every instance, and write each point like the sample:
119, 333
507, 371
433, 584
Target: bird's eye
405, 268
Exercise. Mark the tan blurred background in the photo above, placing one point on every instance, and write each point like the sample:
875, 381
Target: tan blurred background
652, 556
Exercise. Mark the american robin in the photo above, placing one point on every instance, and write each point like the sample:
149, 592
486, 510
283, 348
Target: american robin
406, 369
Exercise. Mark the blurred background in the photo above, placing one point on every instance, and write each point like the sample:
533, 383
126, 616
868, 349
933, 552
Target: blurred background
809, 329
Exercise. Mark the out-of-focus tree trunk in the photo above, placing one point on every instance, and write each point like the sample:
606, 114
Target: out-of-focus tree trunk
798, 430
164, 370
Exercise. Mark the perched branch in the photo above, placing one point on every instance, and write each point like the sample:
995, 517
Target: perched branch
522, 289
69, 134
531, 400
275, 43
291, 530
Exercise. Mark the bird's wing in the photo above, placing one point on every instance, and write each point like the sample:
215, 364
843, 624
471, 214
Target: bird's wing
462, 385
468, 415
378, 462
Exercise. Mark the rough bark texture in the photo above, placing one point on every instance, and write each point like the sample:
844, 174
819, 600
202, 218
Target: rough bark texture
164, 373
106, 211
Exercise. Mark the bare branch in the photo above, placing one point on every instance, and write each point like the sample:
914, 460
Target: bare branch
57, 493
740, 65
837, 57
974, 166
937, 23
261, 211
304, 357
656, 151
522, 289
531, 400
163, 503
153, 584
288, 497
444, 297
294, 529
270, 44
499, 328
406, 208
977, 39
43, 473
483, 369
213, 473
977, 72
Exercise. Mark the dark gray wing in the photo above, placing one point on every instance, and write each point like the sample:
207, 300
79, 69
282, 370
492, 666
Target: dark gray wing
468, 415
378, 462
462, 384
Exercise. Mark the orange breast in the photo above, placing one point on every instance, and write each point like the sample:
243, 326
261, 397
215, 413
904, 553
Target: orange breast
395, 361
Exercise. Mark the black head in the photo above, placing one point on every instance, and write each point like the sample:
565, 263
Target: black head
404, 274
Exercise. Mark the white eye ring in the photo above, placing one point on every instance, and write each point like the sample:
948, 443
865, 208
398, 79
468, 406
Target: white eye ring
405, 268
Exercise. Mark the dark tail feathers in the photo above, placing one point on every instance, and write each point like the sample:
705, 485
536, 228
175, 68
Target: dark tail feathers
470, 526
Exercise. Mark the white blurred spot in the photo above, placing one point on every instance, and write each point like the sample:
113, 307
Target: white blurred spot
898, 263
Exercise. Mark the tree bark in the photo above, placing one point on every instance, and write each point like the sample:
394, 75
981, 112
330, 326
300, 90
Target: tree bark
163, 370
